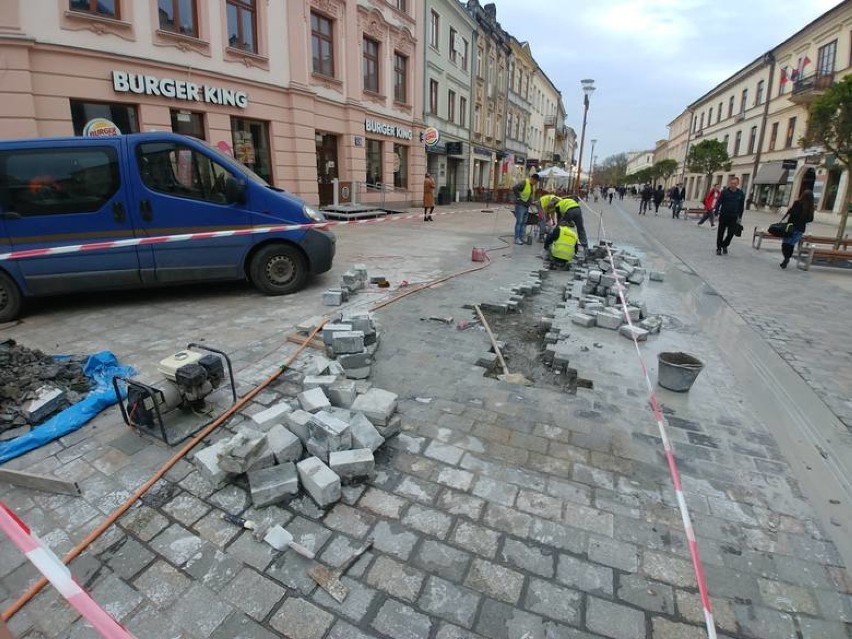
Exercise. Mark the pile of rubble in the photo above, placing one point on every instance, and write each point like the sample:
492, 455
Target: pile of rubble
33, 385
592, 300
320, 439
352, 281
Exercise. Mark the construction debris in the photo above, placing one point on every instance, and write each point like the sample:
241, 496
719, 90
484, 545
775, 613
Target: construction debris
352, 281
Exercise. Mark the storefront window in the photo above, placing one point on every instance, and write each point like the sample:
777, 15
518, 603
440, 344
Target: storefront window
122, 115
188, 123
374, 162
400, 166
251, 145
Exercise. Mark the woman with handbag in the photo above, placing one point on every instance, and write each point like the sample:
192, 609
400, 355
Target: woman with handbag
799, 215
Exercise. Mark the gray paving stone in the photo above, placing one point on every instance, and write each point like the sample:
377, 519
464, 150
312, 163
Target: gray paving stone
251, 551
161, 583
300, 619
763, 623
399, 621
311, 535
496, 491
444, 452
393, 539
212, 568
614, 620
646, 594
444, 561
151, 622
253, 594
667, 568
238, 626
116, 597
449, 601
591, 519
583, 575
144, 522
616, 554
127, 557
428, 521
343, 630
177, 544
787, 597
455, 503
495, 581
357, 603
502, 621
351, 521
199, 611
418, 490
664, 629
553, 601
821, 629
396, 578
216, 530
449, 631
186, 508
291, 570
381, 503
476, 539
539, 505
551, 533
455, 478
528, 557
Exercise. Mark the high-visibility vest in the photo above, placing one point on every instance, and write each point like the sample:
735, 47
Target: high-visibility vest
547, 200
565, 245
526, 192
566, 204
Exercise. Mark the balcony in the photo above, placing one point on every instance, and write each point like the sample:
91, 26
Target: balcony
549, 121
810, 87
561, 132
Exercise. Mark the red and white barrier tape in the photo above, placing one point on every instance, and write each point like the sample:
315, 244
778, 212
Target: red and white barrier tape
57, 573
204, 235
697, 566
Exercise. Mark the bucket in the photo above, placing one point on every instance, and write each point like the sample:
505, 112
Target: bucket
478, 255
678, 371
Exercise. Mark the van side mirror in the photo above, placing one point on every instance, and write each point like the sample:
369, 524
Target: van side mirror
235, 191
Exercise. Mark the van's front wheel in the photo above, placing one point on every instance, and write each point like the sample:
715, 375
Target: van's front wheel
278, 269
10, 299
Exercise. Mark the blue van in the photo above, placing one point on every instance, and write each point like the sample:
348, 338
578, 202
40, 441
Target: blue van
61, 191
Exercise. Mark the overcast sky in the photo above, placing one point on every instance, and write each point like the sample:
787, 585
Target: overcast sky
649, 58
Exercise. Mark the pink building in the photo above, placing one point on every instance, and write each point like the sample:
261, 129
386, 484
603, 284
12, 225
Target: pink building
306, 93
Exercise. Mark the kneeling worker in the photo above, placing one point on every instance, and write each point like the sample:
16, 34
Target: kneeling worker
570, 209
561, 243
547, 219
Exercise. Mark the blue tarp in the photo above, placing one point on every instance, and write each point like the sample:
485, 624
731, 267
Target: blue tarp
101, 368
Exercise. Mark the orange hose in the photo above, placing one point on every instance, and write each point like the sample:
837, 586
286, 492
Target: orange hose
75, 552
72, 554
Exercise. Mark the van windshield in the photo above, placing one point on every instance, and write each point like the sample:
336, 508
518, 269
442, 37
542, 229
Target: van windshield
239, 167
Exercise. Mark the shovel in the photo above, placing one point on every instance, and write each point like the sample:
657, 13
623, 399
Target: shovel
329, 580
505, 376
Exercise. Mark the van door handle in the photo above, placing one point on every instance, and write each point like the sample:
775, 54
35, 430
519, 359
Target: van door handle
118, 212
145, 210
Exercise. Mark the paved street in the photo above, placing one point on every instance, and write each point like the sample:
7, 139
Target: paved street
500, 511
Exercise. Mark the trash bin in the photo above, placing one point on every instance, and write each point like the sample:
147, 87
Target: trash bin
443, 196
678, 371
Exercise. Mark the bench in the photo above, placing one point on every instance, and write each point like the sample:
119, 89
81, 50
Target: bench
685, 213
808, 252
759, 236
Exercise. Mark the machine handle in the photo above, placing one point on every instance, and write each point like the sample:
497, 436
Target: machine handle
145, 210
118, 213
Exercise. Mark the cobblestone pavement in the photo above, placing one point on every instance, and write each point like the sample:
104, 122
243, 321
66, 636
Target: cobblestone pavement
501, 511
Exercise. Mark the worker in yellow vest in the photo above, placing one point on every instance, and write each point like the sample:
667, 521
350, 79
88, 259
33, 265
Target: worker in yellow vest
548, 207
570, 209
561, 243
523, 191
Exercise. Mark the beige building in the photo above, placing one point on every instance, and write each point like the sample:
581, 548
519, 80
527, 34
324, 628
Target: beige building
518, 112
639, 160
676, 145
544, 117
761, 114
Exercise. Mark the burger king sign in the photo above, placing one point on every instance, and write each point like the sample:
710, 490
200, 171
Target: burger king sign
100, 128
431, 137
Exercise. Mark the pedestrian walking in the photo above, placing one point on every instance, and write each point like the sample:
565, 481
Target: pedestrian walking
799, 215
645, 199
428, 197
710, 206
659, 196
610, 193
523, 191
678, 195
730, 206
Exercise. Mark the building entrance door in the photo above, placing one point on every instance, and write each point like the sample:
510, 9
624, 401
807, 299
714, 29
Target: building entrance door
808, 181
327, 167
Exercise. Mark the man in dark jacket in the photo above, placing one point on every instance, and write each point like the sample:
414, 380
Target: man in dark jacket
659, 196
678, 195
646, 194
730, 207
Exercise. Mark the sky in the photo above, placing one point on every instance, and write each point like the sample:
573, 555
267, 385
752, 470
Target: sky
649, 58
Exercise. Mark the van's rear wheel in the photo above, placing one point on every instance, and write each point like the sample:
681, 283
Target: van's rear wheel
278, 269
10, 299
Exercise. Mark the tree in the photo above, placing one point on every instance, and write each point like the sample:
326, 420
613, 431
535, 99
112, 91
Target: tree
830, 126
613, 169
665, 168
707, 157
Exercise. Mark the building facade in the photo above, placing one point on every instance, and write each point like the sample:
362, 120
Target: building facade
677, 146
490, 97
308, 94
544, 120
449, 43
639, 160
519, 111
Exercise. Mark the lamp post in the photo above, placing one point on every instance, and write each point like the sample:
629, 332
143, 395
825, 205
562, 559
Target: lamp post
592, 164
588, 89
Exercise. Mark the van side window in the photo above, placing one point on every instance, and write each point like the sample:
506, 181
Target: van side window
179, 170
58, 181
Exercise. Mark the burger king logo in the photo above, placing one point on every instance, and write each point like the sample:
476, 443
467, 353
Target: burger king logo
431, 136
100, 128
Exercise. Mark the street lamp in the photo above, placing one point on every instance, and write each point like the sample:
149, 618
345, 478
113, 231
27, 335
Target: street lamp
588, 89
592, 164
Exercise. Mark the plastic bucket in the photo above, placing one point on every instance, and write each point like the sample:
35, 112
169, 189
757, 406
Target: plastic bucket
678, 371
478, 255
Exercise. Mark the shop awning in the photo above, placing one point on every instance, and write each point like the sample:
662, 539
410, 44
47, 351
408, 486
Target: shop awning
771, 173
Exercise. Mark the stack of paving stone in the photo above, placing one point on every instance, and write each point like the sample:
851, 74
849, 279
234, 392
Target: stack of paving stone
352, 281
319, 438
592, 300
518, 292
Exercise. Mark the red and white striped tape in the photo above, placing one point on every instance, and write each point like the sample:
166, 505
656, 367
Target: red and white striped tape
694, 554
58, 574
188, 237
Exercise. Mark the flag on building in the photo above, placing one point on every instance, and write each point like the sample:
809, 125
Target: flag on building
784, 78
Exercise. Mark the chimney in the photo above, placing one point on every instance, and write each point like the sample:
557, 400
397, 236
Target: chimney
491, 10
